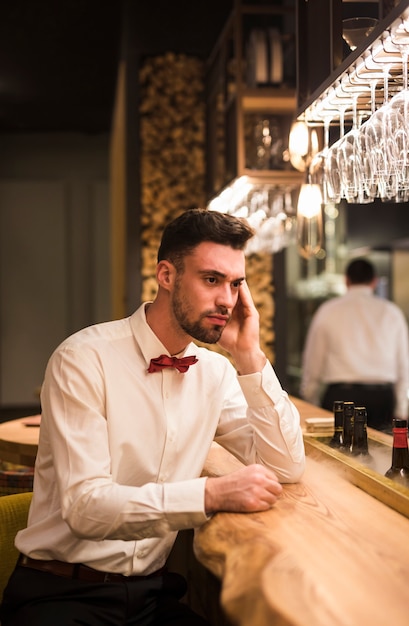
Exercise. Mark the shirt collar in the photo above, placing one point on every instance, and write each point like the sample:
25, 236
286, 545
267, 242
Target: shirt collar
360, 289
149, 344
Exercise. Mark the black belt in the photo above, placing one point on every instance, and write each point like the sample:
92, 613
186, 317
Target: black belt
79, 571
364, 386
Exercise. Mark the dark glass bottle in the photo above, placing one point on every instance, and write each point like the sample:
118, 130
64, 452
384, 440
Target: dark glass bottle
360, 437
348, 427
399, 470
336, 441
359, 448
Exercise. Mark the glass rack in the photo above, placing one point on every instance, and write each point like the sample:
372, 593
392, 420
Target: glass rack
369, 74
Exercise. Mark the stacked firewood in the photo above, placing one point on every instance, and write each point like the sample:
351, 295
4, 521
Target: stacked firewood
259, 277
172, 118
172, 126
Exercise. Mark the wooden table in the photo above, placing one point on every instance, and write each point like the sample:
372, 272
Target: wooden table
19, 442
327, 554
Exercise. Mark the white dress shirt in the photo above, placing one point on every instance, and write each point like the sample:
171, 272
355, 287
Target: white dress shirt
121, 450
357, 338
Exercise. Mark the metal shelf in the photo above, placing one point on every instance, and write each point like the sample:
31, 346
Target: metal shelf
365, 65
231, 100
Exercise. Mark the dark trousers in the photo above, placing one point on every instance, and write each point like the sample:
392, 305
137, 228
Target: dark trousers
35, 598
379, 401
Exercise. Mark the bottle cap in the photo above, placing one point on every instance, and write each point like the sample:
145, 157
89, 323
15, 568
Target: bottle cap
399, 423
360, 413
349, 408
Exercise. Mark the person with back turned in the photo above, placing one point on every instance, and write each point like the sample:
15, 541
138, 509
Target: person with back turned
130, 409
357, 349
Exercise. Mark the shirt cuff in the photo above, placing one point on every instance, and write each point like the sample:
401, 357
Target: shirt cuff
185, 503
261, 388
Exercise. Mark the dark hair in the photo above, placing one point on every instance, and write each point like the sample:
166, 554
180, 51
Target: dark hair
195, 226
360, 272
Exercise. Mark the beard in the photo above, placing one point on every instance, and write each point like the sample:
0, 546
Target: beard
183, 312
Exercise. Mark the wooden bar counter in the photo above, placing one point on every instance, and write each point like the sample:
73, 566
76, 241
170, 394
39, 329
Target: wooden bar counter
327, 554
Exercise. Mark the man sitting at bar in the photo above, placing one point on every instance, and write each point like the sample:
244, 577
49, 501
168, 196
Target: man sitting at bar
357, 348
130, 409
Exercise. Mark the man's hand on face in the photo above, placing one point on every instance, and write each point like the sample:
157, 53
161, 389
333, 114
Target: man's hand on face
241, 337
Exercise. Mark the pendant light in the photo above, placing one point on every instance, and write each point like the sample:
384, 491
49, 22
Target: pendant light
309, 220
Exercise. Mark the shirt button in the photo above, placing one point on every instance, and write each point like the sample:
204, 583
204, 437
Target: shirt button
141, 554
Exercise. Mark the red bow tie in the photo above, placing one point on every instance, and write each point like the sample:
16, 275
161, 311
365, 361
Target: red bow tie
183, 364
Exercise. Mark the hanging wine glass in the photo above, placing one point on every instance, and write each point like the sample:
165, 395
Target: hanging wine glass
318, 171
350, 161
369, 185
334, 183
398, 118
368, 180
361, 76
378, 146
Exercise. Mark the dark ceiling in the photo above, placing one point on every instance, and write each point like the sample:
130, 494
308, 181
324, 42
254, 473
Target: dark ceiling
59, 58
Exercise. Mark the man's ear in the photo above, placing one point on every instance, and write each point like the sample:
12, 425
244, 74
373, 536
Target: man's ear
165, 274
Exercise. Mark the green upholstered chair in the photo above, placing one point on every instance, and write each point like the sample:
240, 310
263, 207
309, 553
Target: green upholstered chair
13, 517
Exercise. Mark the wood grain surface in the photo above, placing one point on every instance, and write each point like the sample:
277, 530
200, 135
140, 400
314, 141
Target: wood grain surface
327, 554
